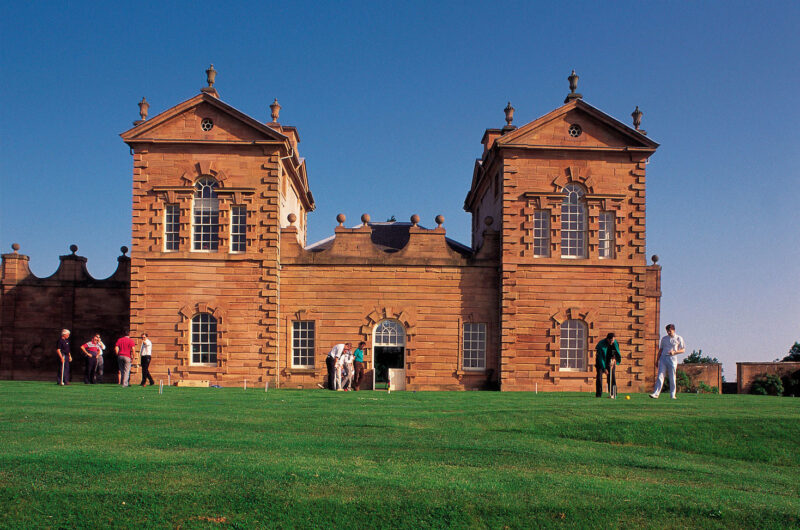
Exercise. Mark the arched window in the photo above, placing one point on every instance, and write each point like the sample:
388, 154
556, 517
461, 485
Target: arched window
204, 339
390, 333
573, 222
573, 345
206, 214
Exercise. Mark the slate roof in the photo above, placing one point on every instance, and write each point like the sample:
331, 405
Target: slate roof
390, 237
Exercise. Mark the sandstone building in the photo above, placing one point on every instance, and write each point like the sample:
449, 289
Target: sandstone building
225, 283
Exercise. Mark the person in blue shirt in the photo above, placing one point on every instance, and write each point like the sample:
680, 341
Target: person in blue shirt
607, 357
358, 365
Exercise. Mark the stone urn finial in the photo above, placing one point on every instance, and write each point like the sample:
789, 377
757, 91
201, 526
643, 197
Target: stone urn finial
276, 110
573, 86
15, 247
439, 220
211, 75
291, 218
415, 219
637, 117
509, 110
573, 82
73, 248
341, 219
654, 257
365, 218
144, 106
123, 249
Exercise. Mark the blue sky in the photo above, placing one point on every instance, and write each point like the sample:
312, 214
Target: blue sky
391, 101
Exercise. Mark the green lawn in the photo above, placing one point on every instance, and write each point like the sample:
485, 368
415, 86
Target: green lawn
190, 458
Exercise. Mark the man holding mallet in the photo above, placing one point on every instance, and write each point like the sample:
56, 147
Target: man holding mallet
607, 357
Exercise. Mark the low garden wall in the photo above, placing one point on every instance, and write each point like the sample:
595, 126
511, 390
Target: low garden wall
708, 373
747, 372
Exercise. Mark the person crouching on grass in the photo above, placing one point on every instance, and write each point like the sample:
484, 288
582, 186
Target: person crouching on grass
607, 357
347, 370
331, 361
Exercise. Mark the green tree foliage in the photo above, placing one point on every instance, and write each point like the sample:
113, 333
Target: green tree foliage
791, 384
767, 385
794, 354
697, 357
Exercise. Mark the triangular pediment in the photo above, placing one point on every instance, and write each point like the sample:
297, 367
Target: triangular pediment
183, 122
597, 129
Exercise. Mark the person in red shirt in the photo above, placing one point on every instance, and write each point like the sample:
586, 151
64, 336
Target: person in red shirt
124, 349
92, 351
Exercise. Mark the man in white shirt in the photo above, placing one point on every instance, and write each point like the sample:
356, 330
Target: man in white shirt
330, 362
145, 354
671, 346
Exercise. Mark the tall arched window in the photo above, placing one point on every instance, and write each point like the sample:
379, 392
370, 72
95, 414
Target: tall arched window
573, 222
206, 215
204, 339
573, 345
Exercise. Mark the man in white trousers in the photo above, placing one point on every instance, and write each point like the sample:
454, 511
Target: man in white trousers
671, 346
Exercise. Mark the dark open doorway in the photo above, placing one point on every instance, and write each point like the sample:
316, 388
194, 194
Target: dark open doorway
386, 357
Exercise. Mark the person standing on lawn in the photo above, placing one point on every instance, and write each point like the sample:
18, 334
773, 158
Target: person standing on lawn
145, 355
99, 366
607, 357
330, 362
64, 356
358, 365
124, 349
92, 351
671, 346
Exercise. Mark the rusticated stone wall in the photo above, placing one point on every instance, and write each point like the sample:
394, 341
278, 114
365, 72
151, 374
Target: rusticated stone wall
34, 310
428, 287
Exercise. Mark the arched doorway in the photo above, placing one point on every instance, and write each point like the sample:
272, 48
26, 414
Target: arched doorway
389, 353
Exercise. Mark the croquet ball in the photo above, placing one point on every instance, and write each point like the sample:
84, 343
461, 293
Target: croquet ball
627, 397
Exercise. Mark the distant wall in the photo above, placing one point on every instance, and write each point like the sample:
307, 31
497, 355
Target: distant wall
33, 311
747, 372
708, 373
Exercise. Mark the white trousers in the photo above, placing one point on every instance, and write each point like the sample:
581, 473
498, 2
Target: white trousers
337, 381
666, 367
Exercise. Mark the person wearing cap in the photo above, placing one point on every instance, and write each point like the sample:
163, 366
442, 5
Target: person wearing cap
64, 356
